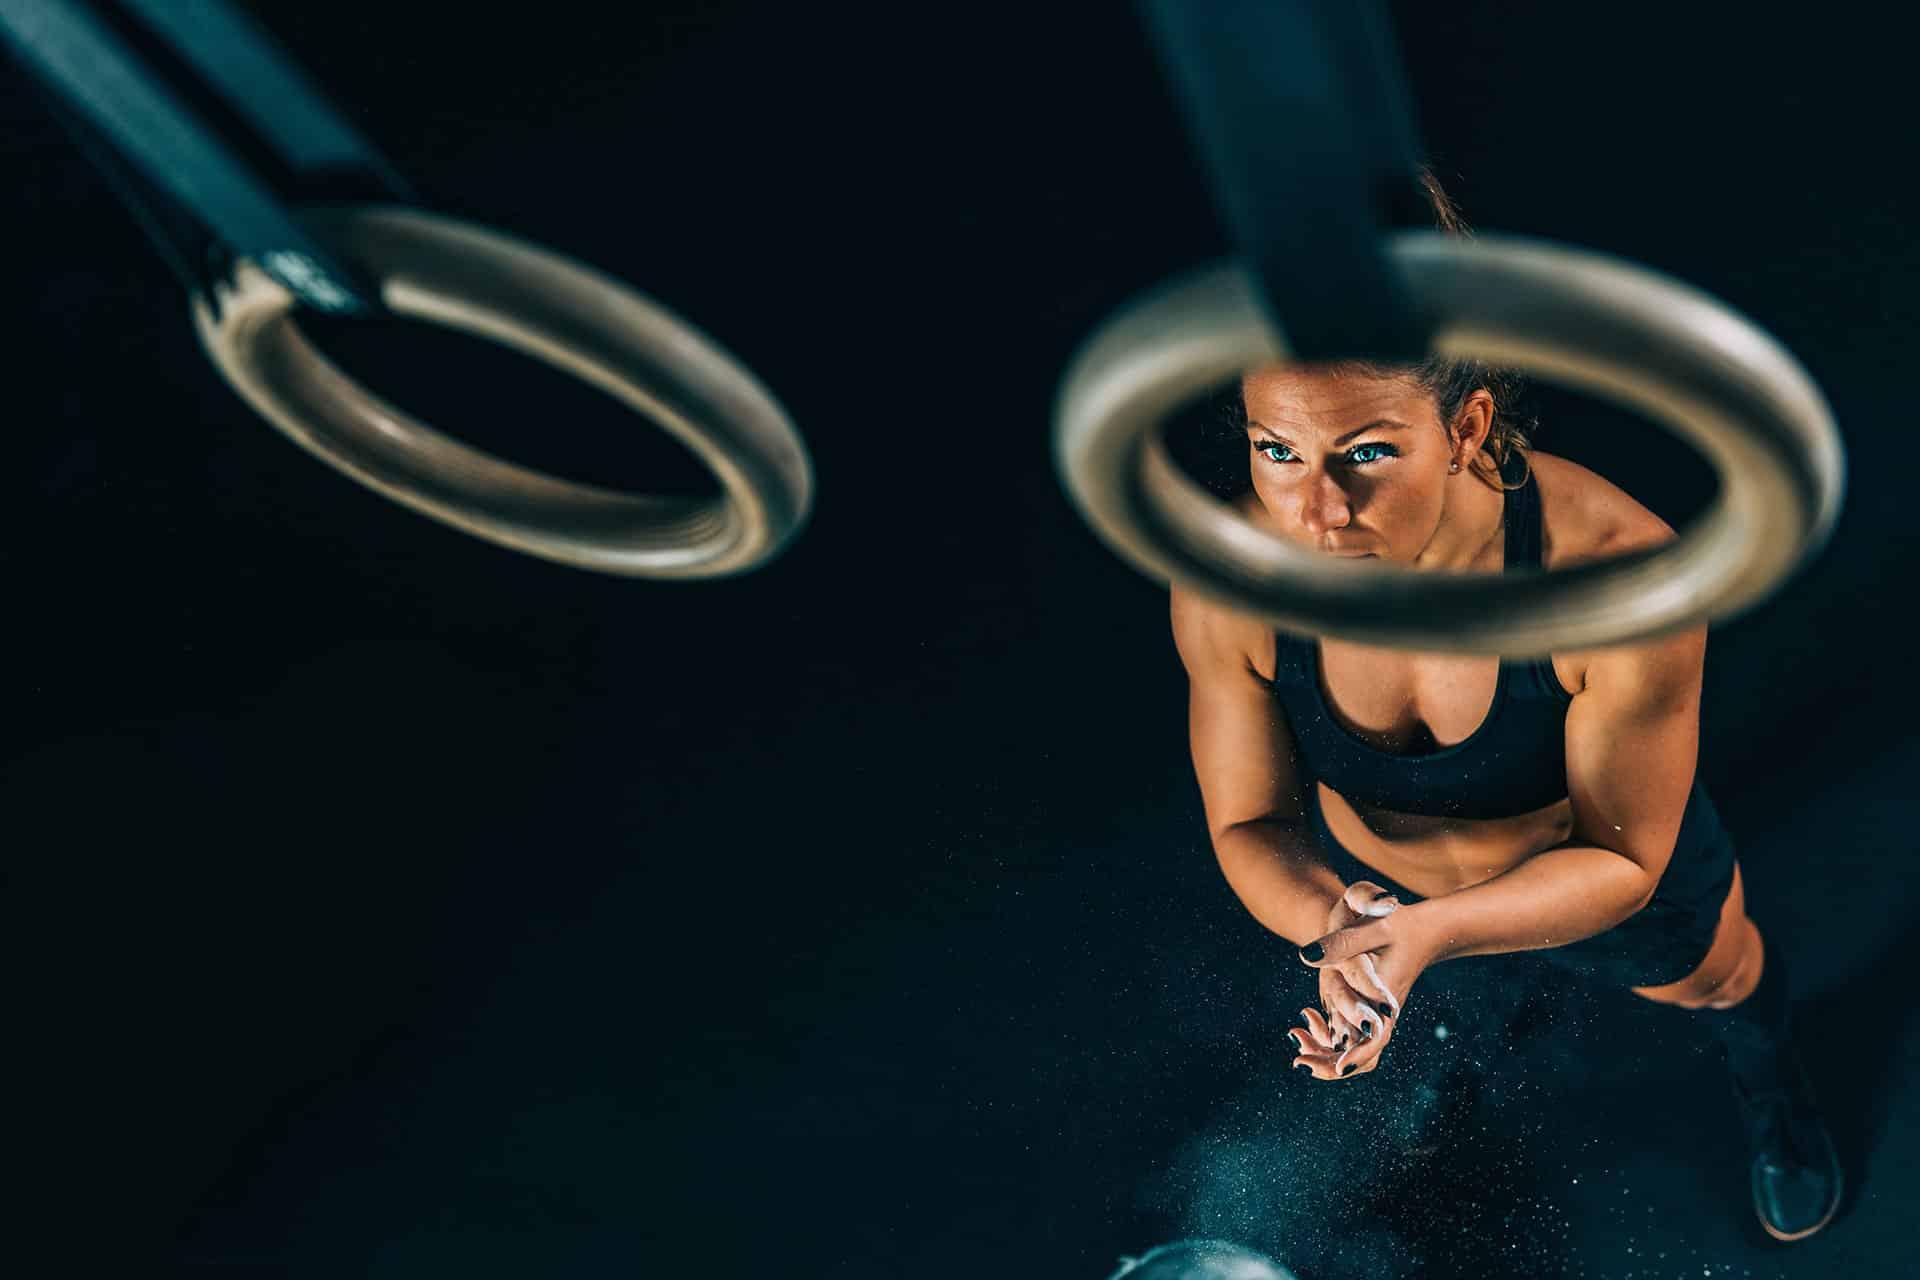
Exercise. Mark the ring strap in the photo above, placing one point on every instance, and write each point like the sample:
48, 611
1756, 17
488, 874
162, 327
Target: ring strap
1307, 134
208, 132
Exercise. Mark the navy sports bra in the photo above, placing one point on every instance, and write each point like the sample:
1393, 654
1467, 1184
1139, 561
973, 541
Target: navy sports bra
1514, 763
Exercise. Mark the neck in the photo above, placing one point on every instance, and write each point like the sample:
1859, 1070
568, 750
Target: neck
1471, 526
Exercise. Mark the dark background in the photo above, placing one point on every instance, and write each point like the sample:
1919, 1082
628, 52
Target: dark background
382, 902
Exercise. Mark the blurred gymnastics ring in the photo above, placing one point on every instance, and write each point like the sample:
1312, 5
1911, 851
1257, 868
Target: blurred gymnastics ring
473, 279
1572, 317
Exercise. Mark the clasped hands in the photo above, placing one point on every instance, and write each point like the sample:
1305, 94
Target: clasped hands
1367, 962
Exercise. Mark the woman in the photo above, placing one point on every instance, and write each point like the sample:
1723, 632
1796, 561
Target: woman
1386, 810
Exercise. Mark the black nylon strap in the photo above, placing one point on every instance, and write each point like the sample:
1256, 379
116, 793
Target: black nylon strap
1307, 136
215, 138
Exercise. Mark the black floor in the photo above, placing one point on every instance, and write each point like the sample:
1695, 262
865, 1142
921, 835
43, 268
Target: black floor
383, 903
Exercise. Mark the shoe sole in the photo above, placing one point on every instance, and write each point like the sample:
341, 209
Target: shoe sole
1839, 1193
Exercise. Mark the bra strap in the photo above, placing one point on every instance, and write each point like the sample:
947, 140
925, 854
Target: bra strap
1522, 515
1292, 657
1526, 544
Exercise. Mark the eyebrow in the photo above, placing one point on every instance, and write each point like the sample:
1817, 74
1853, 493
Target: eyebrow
1357, 431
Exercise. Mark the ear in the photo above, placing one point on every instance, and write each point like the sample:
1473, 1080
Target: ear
1473, 424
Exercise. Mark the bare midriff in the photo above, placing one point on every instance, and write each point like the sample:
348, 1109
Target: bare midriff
1436, 855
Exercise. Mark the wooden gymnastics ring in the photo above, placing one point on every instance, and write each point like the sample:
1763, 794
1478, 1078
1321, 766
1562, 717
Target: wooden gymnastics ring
470, 278
1570, 316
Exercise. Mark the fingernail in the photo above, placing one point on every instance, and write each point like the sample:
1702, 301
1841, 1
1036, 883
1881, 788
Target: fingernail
1313, 953
1383, 1010
1304, 1067
1350, 1068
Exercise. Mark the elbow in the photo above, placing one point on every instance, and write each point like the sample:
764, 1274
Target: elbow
1650, 886
1226, 841
1231, 845
1223, 836
1228, 835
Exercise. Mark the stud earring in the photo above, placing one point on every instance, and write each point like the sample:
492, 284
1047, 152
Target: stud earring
1453, 468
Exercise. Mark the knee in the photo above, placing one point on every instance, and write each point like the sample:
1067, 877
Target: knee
1740, 983
1722, 980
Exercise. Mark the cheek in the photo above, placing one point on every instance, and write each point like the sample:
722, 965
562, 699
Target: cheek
1271, 492
1405, 509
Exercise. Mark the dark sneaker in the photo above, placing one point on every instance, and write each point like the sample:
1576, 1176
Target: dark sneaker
1795, 1170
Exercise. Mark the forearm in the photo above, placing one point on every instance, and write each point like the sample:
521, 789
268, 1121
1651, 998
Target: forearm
1555, 897
1276, 869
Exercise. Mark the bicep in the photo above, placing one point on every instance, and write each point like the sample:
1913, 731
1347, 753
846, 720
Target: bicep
1633, 739
1243, 749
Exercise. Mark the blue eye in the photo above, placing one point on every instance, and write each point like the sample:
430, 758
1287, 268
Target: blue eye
1359, 455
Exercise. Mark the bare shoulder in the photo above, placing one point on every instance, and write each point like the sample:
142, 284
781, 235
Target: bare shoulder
1585, 516
1215, 639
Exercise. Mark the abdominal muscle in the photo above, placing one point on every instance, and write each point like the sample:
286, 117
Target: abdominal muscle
1437, 855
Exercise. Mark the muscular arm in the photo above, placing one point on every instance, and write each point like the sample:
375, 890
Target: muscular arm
1243, 753
1632, 743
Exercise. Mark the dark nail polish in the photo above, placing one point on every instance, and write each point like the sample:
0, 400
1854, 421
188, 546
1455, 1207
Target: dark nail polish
1384, 1011
1350, 1068
1304, 1067
1313, 953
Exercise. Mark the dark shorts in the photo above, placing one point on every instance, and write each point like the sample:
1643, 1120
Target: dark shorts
1663, 942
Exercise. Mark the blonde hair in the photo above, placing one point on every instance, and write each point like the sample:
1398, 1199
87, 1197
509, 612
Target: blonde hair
1452, 382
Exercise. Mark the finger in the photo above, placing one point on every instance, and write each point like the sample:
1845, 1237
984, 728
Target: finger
1318, 1065
1360, 1057
1338, 995
1339, 1027
1353, 1069
1340, 915
1375, 1012
1344, 944
1379, 984
1322, 1033
1365, 898
1307, 1043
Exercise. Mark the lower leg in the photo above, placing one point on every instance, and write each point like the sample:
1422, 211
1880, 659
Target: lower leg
1741, 988
1795, 1172
1756, 1028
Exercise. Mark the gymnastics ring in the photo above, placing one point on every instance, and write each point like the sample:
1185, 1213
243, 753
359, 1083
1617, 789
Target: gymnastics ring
1569, 316
482, 282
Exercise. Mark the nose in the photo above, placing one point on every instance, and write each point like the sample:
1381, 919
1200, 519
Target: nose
1324, 505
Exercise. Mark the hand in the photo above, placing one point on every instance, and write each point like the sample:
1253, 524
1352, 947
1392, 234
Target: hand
1374, 952
1329, 1034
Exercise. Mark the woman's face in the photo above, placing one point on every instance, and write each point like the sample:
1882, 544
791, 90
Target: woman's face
1349, 463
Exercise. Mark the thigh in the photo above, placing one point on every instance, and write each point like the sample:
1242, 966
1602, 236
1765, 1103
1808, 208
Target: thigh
1731, 966
1670, 938
1663, 943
